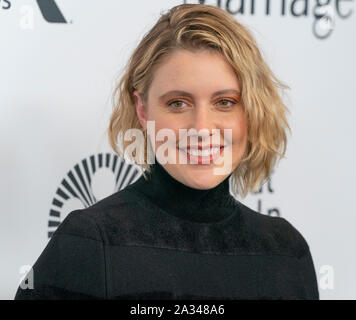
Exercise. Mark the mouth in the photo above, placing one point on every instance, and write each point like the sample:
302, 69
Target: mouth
200, 155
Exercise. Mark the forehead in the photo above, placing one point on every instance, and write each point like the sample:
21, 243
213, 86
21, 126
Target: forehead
201, 71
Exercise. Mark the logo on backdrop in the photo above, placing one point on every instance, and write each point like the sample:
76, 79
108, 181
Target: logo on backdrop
50, 11
323, 12
5, 4
261, 195
48, 8
89, 181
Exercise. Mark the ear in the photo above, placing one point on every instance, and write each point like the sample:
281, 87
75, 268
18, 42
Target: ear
140, 109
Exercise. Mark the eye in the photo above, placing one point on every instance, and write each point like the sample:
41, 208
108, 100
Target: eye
176, 104
227, 101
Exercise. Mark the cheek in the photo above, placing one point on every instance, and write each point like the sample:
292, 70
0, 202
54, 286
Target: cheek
239, 130
164, 128
164, 121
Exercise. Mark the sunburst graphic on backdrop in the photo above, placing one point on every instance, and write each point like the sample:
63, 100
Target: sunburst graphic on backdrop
89, 181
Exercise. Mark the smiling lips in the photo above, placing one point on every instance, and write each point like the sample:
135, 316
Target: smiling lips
200, 154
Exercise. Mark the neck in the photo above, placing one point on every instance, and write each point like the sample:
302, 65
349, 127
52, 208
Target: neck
180, 200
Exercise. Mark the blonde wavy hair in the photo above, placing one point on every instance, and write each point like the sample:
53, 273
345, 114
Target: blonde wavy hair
199, 26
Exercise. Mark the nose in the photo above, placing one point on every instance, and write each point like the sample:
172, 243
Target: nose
203, 121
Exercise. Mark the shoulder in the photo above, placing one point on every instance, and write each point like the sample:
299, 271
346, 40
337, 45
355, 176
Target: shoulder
92, 222
273, 234
76, 246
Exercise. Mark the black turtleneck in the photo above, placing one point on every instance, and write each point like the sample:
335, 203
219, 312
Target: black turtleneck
180, 200
161, 239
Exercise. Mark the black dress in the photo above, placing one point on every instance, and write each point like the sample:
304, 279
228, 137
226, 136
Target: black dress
160, 239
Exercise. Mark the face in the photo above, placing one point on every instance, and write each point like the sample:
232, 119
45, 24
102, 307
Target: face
208, 99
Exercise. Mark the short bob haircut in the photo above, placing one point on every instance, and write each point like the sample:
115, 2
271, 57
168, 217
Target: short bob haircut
198, 26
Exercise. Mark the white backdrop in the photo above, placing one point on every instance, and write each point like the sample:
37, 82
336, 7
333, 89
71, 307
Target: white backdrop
56, 79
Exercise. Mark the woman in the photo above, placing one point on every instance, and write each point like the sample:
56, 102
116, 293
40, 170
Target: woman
177, 232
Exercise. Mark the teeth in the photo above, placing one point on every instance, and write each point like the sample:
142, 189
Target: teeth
203, 153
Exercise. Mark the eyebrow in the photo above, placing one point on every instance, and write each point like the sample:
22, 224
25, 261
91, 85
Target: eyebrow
188, 94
